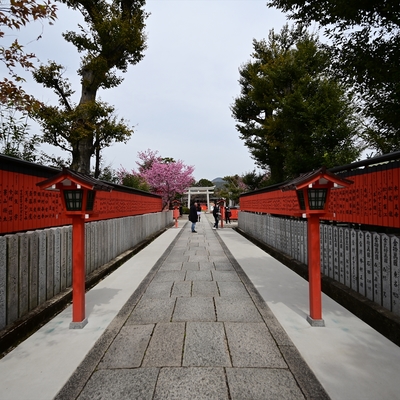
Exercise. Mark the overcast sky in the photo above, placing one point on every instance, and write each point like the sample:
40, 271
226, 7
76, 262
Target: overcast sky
178, 97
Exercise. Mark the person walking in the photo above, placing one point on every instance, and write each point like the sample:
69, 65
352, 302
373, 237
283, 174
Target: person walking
216, 214
193, 216
228, 214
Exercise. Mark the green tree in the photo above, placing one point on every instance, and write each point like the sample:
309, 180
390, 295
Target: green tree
365, 38
14, 16
204, 183
135, 181
232, 188
113, 39
292, 115
253, 180
15, 140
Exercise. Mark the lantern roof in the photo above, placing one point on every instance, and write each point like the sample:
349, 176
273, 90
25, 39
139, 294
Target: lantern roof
319, 177
67, 177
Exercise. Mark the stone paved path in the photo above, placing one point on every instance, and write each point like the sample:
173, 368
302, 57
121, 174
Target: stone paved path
196, 328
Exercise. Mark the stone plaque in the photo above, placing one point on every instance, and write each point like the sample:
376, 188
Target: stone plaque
293, 239
335, 253
3, 280
347, 268
395, 255
301, 243
50, 263
288, 237
57, 260
12, 278
87, 250
33, 268
299, 233
361, 262
325, 248
368, 266
42, 267
330, 251
63, 258
376, 268
95, 241
341, 254
386, 272
69, 256
353, 260
296, 239
281, 235
23, 280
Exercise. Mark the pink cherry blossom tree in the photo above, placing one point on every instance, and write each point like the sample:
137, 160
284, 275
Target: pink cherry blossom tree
164, 176
169, 179
147, 158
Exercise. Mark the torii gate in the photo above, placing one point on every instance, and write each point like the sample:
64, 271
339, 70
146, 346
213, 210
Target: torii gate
200, 190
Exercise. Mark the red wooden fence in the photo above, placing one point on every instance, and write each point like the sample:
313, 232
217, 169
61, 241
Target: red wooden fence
372, 199
24, 206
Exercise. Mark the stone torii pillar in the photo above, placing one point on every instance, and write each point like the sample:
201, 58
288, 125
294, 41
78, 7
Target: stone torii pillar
200, 191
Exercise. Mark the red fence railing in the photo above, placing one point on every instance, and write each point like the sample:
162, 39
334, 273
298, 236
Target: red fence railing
24, 206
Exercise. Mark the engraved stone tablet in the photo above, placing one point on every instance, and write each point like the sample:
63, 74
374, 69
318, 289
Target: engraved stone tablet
377, 270
353, 260
347, 269
335, 252
361, 262
395, 255
3, 281
386, 273
341, 254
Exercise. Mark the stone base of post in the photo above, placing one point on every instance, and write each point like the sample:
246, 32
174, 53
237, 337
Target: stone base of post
78, 325
315, 322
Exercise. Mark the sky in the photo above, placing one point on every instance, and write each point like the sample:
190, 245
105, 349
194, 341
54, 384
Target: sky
178, 97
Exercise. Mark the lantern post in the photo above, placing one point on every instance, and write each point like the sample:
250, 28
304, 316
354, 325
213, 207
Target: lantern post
78, 197
313, 193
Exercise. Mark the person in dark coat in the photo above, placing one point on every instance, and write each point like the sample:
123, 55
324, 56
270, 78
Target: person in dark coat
193, 216
216, 214
228, 214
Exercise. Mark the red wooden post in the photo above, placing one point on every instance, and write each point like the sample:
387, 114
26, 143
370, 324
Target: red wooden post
78, 273
314, 272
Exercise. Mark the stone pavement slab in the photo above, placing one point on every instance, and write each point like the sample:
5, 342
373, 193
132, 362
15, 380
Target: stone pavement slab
194, 309
192, 383
237, 310
205, 345
121, 384
262, 384
151, 311
128, 348
166, 345
251, 345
